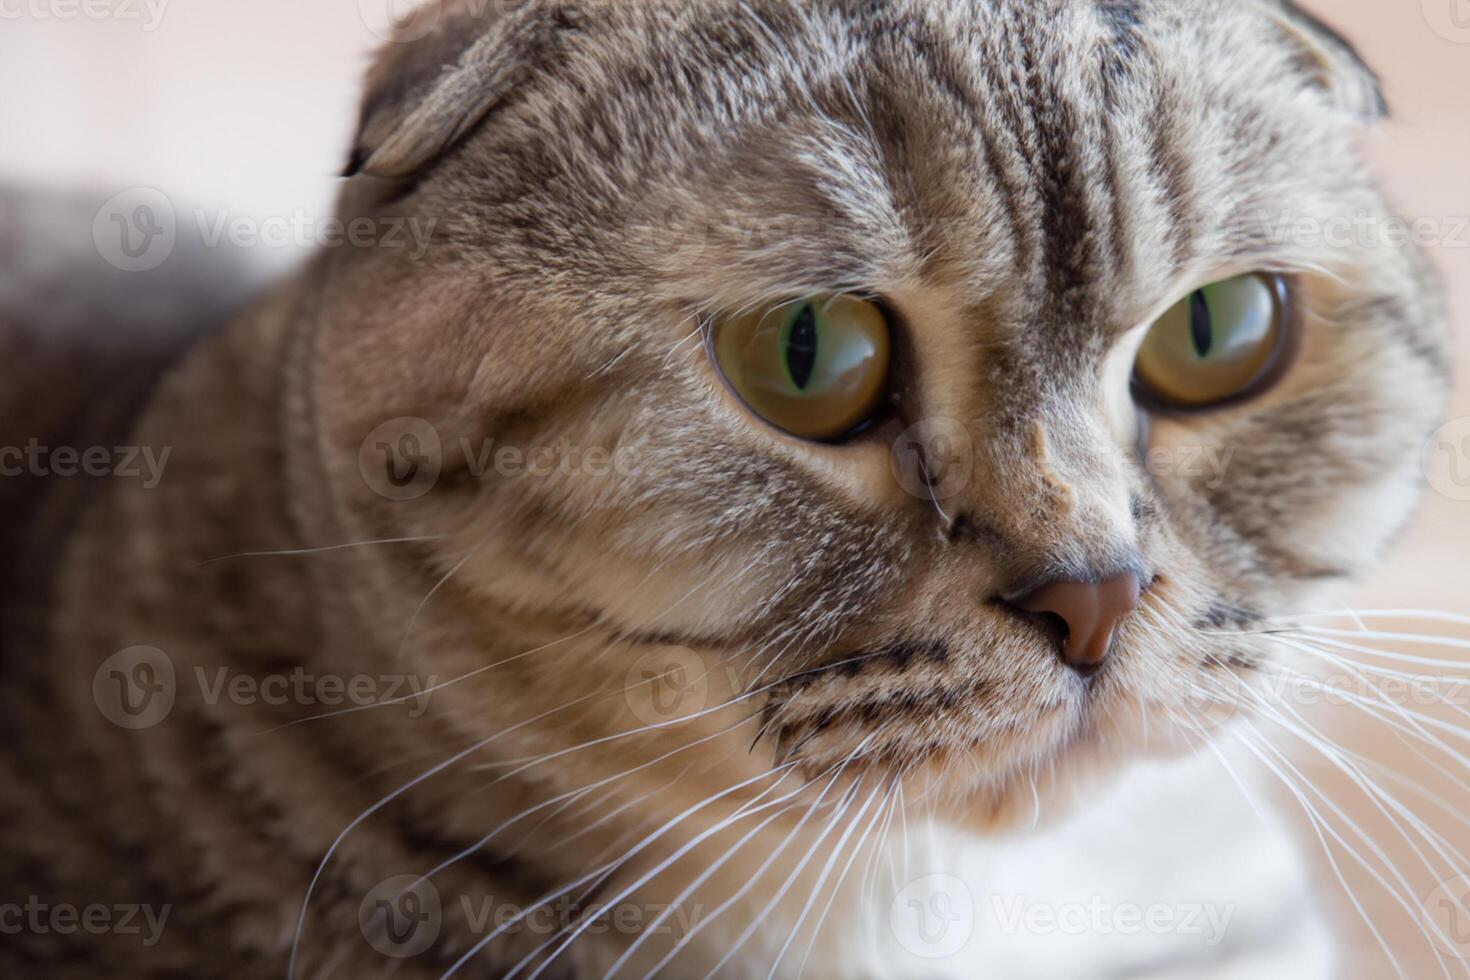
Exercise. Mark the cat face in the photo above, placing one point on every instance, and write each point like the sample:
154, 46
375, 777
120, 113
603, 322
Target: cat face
1022, 191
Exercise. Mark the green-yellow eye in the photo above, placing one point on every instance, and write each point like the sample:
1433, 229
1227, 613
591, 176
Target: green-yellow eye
1224, 342
817, 368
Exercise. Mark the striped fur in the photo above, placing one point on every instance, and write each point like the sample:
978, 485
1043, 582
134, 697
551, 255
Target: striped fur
1027, 183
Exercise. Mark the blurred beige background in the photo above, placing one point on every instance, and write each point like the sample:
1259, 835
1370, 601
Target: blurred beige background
1424, 160
248, 105
1422, 50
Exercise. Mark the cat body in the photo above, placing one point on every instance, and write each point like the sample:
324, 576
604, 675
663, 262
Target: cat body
470, 589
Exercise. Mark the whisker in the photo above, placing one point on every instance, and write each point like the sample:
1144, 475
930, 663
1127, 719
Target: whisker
477, 845
883, 808
806, 858
704, 876
580, 928
324, 549
816, 889
871, 866
698, 329
1318, 826
484, 941
837, 770
1430, 615
1401, 897
331, 850
1414, 718
608, 815
1411, 638
1402, 819
395, 794
1302, 730
424, 602
428, 690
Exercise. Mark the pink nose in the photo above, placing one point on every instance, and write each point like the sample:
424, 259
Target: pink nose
1090, 611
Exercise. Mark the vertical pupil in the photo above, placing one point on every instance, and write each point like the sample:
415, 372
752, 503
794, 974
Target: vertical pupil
801, 347
1201, 328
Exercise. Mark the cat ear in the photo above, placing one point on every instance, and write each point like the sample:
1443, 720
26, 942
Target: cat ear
1335, 64
451, 64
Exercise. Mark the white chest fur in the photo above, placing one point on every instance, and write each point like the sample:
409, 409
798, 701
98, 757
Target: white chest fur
1173, 874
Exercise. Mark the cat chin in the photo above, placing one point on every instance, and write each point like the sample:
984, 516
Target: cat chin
1035, 800
992, 778
1063, 784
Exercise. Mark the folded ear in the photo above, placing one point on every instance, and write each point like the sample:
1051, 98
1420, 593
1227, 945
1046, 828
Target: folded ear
430, 88
1334, 62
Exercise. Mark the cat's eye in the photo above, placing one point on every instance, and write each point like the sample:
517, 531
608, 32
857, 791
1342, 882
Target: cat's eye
817, 368
1220, 344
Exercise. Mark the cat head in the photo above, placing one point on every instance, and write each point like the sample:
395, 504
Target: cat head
1057, 291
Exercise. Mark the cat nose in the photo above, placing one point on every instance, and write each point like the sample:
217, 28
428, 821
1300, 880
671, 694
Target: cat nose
1089, 611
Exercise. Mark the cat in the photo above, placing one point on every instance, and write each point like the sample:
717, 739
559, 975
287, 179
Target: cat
497, 578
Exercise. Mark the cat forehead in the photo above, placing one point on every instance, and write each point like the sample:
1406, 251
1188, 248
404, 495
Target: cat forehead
719, 63
743, 58
854, 144
863, 140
